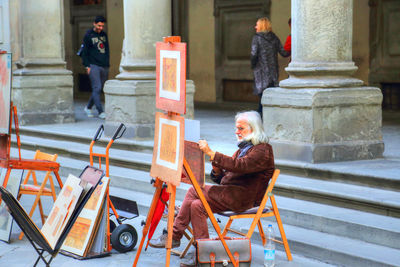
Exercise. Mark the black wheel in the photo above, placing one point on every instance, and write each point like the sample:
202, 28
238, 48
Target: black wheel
112, 226
124, 238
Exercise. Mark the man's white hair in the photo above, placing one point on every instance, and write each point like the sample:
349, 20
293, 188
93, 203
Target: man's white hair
253, 119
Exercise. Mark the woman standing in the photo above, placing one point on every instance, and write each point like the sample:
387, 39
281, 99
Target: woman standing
264, 58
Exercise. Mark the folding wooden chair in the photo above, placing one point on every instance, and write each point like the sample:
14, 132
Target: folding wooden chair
257, 213
38, 189
189, 237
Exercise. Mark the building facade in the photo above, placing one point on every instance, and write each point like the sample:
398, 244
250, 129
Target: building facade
48, 76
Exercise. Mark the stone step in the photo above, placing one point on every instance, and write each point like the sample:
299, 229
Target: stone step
383, 230
363, 226
339, 250
56, 141
386, 173
373, 200
309, 220
353, 196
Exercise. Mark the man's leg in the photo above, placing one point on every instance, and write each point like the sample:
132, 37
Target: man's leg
193, 211
95, 81
182, 220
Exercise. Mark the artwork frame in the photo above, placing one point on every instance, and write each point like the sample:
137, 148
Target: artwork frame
168, 148
83, 232
6, 220
196, 159
62, 210
171, 76
5, 92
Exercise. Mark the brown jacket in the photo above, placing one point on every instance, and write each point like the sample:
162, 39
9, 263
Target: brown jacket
244, 179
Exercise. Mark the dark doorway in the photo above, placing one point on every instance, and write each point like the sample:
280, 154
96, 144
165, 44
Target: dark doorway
385, 50
234, 29
391, 96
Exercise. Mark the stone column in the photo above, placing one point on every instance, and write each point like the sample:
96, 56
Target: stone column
130, 98
321, 113
42, 87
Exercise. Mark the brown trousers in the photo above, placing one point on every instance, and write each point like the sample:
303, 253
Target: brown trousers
193, 211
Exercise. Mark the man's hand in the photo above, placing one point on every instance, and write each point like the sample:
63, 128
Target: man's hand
88, 70
203, 145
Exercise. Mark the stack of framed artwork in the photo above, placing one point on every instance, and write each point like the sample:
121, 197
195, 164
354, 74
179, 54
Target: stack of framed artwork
87, 237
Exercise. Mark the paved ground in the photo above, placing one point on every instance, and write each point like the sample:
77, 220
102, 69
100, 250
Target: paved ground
19, 253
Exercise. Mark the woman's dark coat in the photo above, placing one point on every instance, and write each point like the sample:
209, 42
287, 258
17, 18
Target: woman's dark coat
244, 180
264, 60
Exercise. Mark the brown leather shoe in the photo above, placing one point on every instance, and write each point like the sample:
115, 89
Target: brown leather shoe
162, 240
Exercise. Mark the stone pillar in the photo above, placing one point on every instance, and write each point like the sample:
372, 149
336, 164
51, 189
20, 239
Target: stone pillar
130, 98
321, 113
42, 87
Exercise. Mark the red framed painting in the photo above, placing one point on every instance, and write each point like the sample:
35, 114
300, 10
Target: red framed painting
5, 92
171, 76
168, 148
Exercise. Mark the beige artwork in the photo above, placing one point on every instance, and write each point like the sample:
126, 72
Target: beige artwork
169, 74
168, 147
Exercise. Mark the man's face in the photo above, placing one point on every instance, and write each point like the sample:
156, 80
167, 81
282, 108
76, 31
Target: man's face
98, 27
242, 129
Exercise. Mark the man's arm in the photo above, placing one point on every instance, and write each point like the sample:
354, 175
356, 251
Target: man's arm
258, 158
85, 52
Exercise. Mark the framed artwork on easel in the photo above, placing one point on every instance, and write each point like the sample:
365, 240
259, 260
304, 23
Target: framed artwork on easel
5, 92
171, 76
168, 148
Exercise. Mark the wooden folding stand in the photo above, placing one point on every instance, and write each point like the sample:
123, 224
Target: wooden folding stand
18, 163
171, 210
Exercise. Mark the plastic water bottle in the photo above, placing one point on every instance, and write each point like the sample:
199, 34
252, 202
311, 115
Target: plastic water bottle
269, 248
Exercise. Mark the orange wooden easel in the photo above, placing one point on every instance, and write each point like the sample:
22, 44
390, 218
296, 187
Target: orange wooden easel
171, 211
171, 189
19, 163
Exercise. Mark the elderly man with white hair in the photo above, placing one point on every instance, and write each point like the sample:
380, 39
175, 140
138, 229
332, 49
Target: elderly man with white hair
242, 180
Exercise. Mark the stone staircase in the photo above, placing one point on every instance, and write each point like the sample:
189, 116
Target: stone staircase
337, 218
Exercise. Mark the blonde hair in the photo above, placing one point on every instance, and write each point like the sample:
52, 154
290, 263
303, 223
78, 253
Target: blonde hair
265, 24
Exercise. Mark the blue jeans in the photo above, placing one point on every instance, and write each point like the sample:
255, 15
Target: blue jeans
98, 76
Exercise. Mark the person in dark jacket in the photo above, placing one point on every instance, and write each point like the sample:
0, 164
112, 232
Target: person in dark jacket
242, 180
96, 59
265, 47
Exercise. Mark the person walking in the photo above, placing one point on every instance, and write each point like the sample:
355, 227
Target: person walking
265, 47
96, 59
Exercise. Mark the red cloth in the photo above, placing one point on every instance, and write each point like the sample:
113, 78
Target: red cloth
158, 212
288, 43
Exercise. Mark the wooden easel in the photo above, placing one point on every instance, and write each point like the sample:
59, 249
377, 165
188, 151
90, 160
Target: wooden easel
171, 209
171, 189
18, 163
